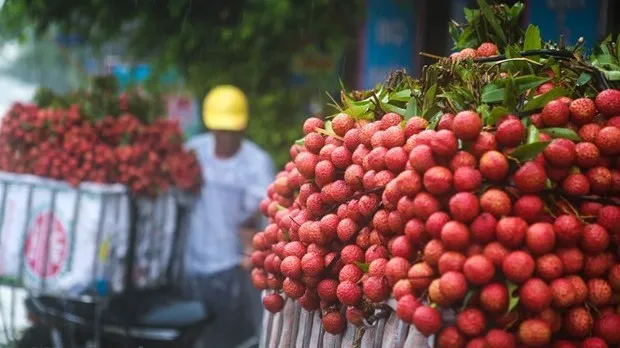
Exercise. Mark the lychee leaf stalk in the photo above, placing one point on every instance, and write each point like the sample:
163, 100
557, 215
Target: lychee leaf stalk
514, 299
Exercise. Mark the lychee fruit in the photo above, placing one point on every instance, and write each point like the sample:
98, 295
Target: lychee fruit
530, 178
496, 338
455, 236
375, 288
510, 132
496, 202
540, 238
405, 307
608, 102
578, 322
594, 239
444, 143
273, 302
483, 228
334, 322
349, 293
466, 179
534, 333
478, 270
464, 207
471, 322
563, 293
582, 110
451, 261
467, 125
560, 153
494, 298
606, 327
555, 114
599, 292
529, 207
518, 266
438, 180
486, 49
427, 320
453, 286
494, 165
549, 267
535, 295
511, 231
608, 140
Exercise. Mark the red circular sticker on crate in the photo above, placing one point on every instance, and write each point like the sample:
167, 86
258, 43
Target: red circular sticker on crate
36, 248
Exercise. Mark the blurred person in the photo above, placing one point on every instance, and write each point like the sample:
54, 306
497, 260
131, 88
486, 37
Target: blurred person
224, 219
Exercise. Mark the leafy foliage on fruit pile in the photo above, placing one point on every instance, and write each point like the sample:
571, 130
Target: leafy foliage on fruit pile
98, 136
490, 187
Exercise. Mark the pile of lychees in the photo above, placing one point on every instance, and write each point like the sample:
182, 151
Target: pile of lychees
526, 253
63, 144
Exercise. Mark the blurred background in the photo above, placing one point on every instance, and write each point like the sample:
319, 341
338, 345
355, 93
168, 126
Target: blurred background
286, 54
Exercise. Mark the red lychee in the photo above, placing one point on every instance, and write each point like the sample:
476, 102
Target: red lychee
451, 261
467, 125
483, 228
494, 298
453, 286
511, 231
326, 289
464, 207
444, 143
478, 270
535, 295
540, 238
510, 132
518, 266
555, 114
582, 110
273, 302
334, 322
549, 267
608, 140
427, 320
606, 327
294, 288
455, 236
376, 288
438, 180
405, 308
608, 102
496, 202
560, 153
534, 333
563, 293
578, 322
599, 292
594, 239
494, 165
530, 178
471, 322
487, 49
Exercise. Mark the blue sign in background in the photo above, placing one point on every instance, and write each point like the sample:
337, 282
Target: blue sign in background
388, 40
572, 18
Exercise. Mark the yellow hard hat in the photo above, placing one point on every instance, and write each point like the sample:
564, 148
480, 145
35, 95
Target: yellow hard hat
225, 108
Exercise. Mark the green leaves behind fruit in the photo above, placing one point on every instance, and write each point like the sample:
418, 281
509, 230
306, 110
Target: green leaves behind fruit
514, 299
300, 142
540, 101
494, 92
529, 151
562, 133
492, 20
412, 108
583, 79
532, 40
495, 115
363, 266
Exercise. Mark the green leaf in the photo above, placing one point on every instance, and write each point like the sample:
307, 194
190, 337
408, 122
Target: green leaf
532, 39
300, 142
612, 75
539, 101
412, 108
279, 207
392, 108
496, 114
401, 96
529, 151
583, 79
510, 94
618, 47
287, 235
565, 133
514, 298
527, 82
363, 266
490, 17
429, 98
491, 93
532, 134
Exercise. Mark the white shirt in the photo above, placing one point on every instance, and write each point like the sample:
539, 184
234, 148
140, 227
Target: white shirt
231, 193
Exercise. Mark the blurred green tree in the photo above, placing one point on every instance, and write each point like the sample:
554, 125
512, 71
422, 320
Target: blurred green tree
249, 43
